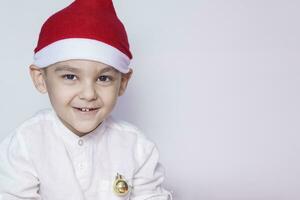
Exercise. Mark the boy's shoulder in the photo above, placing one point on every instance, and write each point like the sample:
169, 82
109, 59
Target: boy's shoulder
29, 128
121, 125
41, 117
127, 131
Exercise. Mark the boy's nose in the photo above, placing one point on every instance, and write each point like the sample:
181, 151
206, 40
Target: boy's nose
88, 92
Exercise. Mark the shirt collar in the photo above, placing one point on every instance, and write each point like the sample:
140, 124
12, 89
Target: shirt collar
71, 138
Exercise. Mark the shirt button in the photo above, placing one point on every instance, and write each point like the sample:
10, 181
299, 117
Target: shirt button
81, 166
80, 142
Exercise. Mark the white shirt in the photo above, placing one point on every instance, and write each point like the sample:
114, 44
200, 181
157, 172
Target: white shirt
42, 159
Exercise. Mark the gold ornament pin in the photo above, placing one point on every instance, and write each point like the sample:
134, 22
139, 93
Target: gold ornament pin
121, 187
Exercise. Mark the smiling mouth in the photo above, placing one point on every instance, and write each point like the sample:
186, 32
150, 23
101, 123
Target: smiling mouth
86, 109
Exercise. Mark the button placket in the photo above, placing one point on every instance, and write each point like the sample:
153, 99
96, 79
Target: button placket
81, 162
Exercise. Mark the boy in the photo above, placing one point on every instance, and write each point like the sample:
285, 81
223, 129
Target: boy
76, 150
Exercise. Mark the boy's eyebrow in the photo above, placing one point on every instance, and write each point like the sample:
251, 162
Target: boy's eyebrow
72, 69
107, 69
66, 68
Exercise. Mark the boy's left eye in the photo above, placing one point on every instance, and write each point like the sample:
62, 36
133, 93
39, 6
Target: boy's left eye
105, 78
69, 77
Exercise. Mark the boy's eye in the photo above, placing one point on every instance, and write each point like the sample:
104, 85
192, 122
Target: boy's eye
69, 77
105, 78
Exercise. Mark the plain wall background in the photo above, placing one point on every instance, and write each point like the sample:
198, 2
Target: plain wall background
216, 86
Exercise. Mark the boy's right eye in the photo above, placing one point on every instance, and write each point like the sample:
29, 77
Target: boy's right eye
69, 77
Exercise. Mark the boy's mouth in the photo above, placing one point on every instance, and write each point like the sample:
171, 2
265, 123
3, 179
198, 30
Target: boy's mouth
86, 109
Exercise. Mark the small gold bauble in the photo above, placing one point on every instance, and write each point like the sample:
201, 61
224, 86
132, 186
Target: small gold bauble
120, 186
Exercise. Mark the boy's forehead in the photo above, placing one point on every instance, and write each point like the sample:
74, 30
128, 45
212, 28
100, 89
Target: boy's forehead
81, 66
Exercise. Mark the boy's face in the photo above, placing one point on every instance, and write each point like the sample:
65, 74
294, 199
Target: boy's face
82, 92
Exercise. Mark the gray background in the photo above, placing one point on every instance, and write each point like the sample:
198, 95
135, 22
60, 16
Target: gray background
216, 86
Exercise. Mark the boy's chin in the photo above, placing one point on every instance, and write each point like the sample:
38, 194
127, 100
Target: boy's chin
84, 129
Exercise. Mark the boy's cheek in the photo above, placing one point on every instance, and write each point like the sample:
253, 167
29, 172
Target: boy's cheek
62, 89
63, 95
109, 94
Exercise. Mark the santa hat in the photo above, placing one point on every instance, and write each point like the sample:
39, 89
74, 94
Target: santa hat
86, 29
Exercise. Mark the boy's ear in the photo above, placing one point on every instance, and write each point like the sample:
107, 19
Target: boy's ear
37, 76
124, 81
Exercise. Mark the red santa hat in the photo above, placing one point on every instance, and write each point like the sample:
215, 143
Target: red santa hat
86, 29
